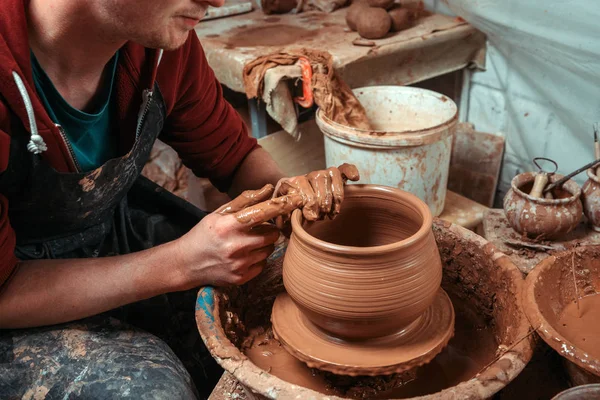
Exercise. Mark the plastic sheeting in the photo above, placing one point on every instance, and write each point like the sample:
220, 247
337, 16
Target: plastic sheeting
546, 90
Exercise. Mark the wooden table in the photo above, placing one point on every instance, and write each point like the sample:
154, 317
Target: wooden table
436, 45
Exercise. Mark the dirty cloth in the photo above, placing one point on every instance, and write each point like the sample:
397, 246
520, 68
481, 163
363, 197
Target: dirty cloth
330, 92
117, 212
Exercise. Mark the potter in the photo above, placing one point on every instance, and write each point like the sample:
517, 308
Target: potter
86, 88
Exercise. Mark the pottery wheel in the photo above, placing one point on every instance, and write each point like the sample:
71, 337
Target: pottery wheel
413, 346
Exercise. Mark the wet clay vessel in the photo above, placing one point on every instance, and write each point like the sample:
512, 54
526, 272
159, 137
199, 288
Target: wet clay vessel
550, 293
591, 199
370, 277
371, 271
539, 218
473, 271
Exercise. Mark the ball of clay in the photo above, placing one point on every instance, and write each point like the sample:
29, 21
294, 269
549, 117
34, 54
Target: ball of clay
401, 19
353, 12
373, 23
381, 3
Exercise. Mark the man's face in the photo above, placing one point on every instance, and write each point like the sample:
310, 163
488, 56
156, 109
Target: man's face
154, 23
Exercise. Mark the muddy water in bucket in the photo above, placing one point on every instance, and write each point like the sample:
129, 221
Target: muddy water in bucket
409, 145
483, 284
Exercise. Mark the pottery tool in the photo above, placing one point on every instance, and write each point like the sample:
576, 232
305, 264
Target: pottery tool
561, 181
575, 283
542, 177
596, 145
535, 246
508, 349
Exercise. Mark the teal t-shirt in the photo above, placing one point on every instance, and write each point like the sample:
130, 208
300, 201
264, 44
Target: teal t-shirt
89, 134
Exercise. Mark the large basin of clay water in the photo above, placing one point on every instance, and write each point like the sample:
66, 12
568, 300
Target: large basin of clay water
485, 288
570, 327
408, 146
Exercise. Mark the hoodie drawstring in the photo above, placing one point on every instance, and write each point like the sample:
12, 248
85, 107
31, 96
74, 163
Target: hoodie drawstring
36, 144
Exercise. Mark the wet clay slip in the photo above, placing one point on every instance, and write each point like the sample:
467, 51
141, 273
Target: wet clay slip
490, 347
540, 218
361, 287
562, 302
591, 199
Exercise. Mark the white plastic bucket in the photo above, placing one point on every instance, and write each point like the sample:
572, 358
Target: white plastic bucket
409, 146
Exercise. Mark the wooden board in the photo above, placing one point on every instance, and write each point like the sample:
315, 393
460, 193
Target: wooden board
297, 157
475, 164
462, 211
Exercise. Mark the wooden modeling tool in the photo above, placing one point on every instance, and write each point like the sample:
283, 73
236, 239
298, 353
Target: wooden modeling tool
596, 146
541, 179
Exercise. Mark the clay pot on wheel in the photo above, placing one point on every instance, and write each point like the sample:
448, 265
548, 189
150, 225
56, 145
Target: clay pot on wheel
540, 218
591, 199
370, 272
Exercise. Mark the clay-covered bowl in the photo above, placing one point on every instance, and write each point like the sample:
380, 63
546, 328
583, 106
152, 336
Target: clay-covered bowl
591, 199
540, 218
549, 289
371, 271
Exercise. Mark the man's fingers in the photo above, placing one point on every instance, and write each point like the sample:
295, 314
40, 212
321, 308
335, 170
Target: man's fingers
246, 199
267, 210
337, 188
349, 172
263, 235
258, 255
321, 184
252, 272
284, 186
310, 208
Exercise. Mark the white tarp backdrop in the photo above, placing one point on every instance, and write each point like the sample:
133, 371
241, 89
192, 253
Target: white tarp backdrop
541, 88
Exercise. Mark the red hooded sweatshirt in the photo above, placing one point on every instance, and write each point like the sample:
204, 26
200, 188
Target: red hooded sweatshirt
207, 133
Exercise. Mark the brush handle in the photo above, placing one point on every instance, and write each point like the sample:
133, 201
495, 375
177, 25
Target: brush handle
541, 180
561, 181
597, 154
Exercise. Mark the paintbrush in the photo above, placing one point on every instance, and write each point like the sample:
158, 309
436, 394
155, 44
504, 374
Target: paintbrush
541, 179
596, 146
562, 180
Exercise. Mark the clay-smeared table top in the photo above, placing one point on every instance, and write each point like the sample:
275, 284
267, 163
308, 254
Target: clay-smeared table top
497, 230
436, 45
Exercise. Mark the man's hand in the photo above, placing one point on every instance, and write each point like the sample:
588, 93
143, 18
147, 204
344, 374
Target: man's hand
322, 192
230, 246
